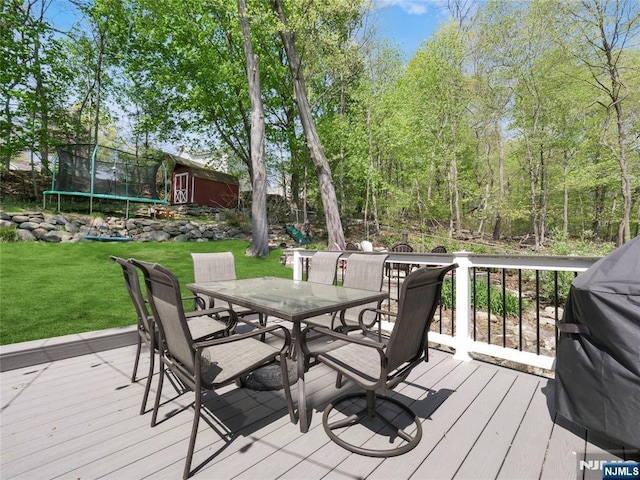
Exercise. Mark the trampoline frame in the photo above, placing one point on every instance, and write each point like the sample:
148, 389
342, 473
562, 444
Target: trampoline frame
91, 195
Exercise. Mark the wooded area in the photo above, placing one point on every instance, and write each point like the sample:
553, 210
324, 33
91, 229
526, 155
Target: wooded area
514, 118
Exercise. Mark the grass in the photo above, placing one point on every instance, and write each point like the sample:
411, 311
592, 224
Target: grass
48, 290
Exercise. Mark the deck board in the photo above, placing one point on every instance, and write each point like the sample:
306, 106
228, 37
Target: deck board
529, 445
464, 381
78, 418
462, 435
424, 394
489, 451
566, 444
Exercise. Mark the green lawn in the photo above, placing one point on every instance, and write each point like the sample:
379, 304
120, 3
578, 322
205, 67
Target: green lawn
47, 290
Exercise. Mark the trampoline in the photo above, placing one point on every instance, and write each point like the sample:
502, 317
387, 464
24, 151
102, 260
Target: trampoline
95, 171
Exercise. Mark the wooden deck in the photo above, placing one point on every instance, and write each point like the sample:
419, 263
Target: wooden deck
78, 418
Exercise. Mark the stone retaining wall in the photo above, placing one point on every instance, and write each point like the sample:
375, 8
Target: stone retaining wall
39, 226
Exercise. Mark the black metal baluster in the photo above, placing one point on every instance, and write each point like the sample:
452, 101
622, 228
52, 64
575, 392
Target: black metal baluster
504, 309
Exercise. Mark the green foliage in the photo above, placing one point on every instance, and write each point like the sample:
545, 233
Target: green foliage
8, 234
237, 220
561, 244
548, 287
506, 115
492, 300
58, 289
447, 294
481, 299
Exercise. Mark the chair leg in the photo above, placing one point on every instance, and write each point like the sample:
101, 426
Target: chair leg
262, 321
147, 388
287, 387
154, 416
371, 411
194, 432
135, 363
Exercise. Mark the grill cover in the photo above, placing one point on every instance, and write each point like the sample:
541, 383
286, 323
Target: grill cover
598, 354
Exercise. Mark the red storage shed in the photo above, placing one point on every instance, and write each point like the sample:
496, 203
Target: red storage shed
191, 183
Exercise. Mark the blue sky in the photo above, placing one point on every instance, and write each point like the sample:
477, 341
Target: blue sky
407, 23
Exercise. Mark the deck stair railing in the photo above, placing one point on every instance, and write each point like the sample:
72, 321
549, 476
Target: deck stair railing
525, 334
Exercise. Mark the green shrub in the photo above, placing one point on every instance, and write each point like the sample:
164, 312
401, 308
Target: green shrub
480, 299
548, 285
510, 307
8, 234
447, 294
235, 219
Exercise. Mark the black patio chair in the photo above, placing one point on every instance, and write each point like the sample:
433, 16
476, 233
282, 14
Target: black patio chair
206, 365
374, 366
324, 266
366, 272
214, 267
400, 267
202, 324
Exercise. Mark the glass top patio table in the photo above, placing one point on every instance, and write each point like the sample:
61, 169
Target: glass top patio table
291, 300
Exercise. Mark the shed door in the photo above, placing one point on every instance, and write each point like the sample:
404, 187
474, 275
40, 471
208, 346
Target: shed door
181, 188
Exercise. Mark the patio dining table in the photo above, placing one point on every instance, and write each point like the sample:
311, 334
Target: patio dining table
289, 300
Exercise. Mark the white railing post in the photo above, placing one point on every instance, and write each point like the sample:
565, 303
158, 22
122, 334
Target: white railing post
462, 339
297, 264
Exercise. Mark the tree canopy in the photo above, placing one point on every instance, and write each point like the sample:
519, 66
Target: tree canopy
514, 118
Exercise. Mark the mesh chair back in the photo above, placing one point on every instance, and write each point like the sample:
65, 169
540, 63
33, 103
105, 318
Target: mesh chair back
132, 282
419, 298
324, 267
163, 291
213, 267
364, 271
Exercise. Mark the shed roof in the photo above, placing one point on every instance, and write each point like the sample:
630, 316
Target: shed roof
201, 172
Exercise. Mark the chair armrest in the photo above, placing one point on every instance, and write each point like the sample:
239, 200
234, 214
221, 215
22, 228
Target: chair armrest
367, 326
231, 320
240, 336
199, 301
379, 311
340, 336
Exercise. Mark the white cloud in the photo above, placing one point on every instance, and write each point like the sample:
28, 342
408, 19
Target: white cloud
412, 7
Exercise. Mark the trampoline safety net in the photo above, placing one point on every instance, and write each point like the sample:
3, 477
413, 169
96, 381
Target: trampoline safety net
105, 172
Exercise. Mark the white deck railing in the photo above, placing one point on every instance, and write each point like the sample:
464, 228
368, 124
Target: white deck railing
462, 341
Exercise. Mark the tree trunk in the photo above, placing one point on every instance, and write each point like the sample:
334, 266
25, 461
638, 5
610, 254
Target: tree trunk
497, 230
259, 237
614, 23
533, 179
96, 125
456, 194
370, 186
565, 189
327, 191
608, 47
296, 159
